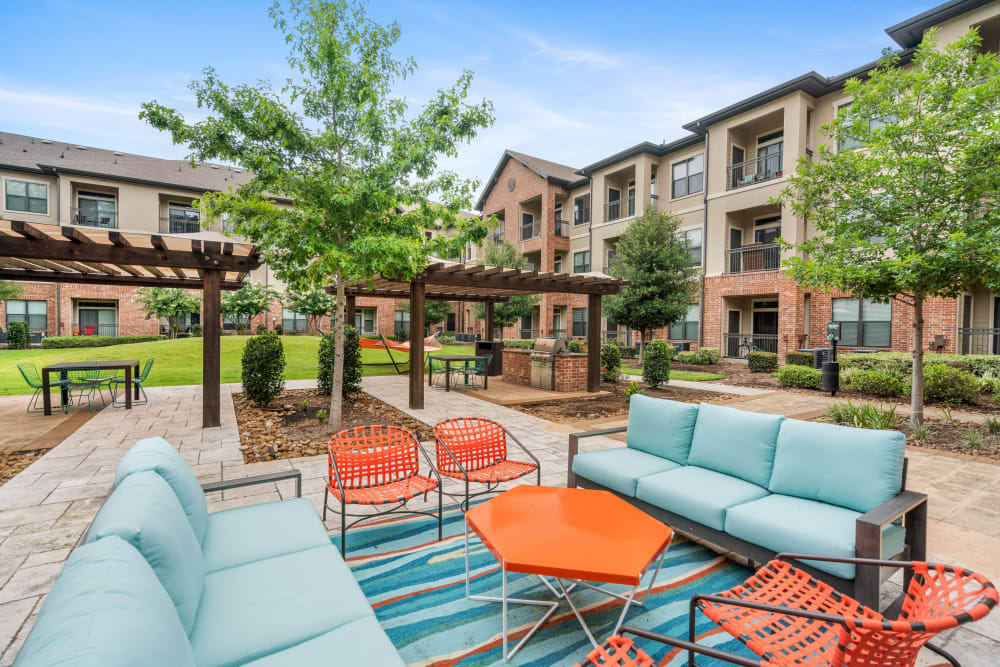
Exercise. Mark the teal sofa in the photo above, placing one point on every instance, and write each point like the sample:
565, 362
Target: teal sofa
760, 485
160, 581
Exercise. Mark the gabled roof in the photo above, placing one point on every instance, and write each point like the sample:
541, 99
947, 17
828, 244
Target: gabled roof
648, 147
910, 32
562, 174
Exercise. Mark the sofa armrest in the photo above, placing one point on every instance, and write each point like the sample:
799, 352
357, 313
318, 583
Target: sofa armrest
266, 478
912, 508
574, 447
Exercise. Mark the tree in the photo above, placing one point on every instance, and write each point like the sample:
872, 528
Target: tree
9, 290
340, 142
656, 259
434, 312
169, 302
520, 305
314, 304
910, 212
246, 303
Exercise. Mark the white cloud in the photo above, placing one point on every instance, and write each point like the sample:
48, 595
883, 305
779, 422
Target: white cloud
567, 56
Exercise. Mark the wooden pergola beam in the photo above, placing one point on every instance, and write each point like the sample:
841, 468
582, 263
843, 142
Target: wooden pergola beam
104, 279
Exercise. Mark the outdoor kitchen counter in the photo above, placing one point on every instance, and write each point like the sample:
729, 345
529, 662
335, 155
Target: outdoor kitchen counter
570, 369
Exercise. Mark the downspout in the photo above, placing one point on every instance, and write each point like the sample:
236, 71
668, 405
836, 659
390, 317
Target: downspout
704, 248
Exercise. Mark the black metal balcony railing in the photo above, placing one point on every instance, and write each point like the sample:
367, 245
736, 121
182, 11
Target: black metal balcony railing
498, 238
95, 329
561, 227
620, 208
528, 333
756, 170
174, 225
531, 231
89, 217
740, 345
581, 216
979, 341
751, 258
623, 336
559, 333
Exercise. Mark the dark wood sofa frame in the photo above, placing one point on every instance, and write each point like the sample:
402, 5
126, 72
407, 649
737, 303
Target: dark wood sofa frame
908, 505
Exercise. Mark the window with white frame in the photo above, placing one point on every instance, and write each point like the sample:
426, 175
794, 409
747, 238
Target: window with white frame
693, 237
686, 329
364, 320
863, 322
26, 196
581, 261
688, 177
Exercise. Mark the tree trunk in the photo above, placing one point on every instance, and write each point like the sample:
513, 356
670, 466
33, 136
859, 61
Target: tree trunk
336, 395
917, 390
642, 345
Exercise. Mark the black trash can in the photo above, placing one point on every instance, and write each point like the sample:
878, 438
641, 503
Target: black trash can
830, 380
494, 347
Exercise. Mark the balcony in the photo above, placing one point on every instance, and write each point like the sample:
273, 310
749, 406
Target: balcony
754, 258
740, 345
89, 217
95, 329
179, 225
561, 227
528, 333
581, 216
754, 171
978, 341
498, 238
531, 231
620, 208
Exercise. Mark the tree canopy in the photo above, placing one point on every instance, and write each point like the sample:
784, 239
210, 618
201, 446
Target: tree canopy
340, 144
508, 312
9, 290
315, 304
904, 197
247, 302
168, 302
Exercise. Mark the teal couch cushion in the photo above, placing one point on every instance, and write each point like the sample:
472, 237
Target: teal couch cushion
144, 512
620, 468
251, 611
158, 455
735, 442
661, 427
254, 532
857, 468
697, 494
106, 608
796, 525
360, 642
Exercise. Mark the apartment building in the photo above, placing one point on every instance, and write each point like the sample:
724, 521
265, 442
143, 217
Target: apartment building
718, 180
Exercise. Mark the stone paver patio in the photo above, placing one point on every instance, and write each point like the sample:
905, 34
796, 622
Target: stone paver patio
45, 511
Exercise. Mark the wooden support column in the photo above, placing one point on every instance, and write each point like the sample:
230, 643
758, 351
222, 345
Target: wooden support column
416, 346
593, 342
210, 325
349, 309
488, 306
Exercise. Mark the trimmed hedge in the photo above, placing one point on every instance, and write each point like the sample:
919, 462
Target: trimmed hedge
63, 342
656, 362
17, 336
687, 357
263, 368
519, 343
878, 382
760, 362
709, 355
799, 358
950, 385
902, 362
352, 363
795, 375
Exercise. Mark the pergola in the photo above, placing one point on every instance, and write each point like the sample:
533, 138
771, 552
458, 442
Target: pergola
453, 281
49, 253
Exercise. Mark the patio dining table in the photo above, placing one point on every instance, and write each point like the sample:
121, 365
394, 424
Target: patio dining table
127, 365
448, 359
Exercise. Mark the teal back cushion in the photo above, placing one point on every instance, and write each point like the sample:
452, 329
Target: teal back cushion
856, 468
735, 442
158, 455
144, 512
661, 427
106, 608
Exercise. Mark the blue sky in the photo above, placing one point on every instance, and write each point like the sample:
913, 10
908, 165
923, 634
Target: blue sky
571, 82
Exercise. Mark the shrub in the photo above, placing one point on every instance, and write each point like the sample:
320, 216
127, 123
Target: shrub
709, 355
263, 367
687, 357
321, 416
989, 382
278, 329
656, 363
576, 346
519, 343
352, 363
184, 334
446, 339
760, 362
877, 382
196, 330
17, 336
611, 362
799, 358
799, 376
996, 396
628, 351
403, 336
902, 362
632, 388
866, 415
261, 327
64, 342
950, 385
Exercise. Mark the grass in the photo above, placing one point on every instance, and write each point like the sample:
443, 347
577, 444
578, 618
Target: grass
178, 362
693, 376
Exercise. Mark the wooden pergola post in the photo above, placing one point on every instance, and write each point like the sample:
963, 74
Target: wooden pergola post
211, 319
593, 342
349, 309
416, 346
488, 307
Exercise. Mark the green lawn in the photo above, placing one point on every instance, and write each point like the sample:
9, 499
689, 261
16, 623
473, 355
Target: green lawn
179, 361
694, 376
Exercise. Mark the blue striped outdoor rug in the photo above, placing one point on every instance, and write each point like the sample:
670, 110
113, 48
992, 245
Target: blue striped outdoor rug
417, 587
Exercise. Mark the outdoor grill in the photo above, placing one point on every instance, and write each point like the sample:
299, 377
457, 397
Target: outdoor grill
543, 361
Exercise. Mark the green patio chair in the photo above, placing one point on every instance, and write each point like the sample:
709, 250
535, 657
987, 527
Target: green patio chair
82, 384
103, 374
477, 369
118, 382
436, 367
33, 377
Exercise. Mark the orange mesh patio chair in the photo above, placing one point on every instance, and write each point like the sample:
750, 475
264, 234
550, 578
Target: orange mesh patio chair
790, 619
377, 465
474, 449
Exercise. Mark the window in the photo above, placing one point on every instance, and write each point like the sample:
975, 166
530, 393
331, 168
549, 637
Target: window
401, 321
557, 264
581, 261
686, 329
32, 312
863, 322
292, 321
693, 237
228, 323
581, 210
579, 321
96, 318
631, 197
450, 322
849, 143
185, 219
95, 209
364, 320
27, 197
687, 177
528, 230
769, 150
652, 182
767, 230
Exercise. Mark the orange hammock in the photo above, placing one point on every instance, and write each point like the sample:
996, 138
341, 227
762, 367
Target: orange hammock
431, 344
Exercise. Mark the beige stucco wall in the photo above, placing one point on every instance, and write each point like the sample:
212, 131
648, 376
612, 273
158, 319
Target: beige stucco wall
49, 181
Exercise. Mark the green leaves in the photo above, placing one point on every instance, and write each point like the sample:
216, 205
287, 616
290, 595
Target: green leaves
247, 302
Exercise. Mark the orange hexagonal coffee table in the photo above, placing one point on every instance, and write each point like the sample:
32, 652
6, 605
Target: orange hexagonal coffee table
580, 535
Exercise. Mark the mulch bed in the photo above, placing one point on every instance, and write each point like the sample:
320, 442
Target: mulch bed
284, 430
951, 438
11, 463
609, 406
